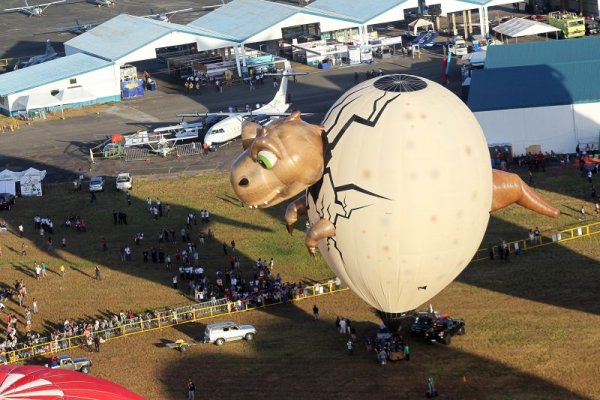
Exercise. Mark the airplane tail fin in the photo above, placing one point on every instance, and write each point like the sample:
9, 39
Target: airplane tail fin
49, 49
279, 101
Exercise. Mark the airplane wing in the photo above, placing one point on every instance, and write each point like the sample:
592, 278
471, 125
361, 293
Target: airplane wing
168, 14
46, 5
16, 9
244, 114
74, 28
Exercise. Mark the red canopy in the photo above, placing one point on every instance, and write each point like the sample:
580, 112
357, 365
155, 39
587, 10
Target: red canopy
34, 382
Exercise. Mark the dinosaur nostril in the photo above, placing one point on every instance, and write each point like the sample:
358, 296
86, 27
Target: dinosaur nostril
244, 182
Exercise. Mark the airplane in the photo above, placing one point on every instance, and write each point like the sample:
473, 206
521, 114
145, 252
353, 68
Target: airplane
75, 29
107, 3
230, 127
34, 11
161, 140
166, 15
50, 54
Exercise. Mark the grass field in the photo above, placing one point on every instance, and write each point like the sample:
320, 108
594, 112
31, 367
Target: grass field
531, 324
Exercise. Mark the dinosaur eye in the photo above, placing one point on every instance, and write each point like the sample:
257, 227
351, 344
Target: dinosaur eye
266, 159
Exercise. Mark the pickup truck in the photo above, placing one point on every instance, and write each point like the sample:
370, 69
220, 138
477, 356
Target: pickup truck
437, 329
73, 364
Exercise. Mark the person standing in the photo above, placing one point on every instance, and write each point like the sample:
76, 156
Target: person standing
62, 271
406, 351
20, 230
316, 312
191, 389
97, 343
175, 282
34, 304
349, 346
98, 274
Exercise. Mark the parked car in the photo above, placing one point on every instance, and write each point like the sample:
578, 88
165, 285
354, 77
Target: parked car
222, 332
96, 184
592, 27
124, 181
7, 200
64, 361
437, 329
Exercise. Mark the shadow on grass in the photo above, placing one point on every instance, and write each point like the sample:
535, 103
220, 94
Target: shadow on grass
310, 357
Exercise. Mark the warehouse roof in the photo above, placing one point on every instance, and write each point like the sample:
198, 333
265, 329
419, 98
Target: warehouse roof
535, 86
124, 34
49, 72
243, 19
548, 52
357, 10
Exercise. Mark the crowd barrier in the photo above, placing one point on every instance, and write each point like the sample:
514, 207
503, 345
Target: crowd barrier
153, 320
560, 236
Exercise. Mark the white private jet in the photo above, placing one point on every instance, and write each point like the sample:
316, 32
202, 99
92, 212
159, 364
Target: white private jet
230, 127
107, 3
34, 11
165, 16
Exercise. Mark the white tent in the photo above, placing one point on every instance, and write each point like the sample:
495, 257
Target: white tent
35, 101
8, 180
519, 27
421, 23
31, 182
76, 94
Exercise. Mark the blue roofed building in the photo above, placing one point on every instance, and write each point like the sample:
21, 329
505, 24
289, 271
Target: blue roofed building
541, 93
71, 81
252, 21
126, 38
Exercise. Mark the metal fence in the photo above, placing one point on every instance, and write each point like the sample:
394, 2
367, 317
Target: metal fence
164, 318
560, 236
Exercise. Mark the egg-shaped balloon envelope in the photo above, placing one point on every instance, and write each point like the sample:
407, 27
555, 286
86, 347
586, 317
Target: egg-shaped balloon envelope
31, 382
408, 187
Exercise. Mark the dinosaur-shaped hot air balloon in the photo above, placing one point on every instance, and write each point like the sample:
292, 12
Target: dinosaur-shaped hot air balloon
398, 187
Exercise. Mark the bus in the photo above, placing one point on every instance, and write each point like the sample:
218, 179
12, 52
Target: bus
571, 25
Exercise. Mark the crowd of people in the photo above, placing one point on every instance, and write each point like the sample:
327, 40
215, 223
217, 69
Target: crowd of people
231, 288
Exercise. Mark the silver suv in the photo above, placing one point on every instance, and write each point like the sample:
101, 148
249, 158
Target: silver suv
228, 331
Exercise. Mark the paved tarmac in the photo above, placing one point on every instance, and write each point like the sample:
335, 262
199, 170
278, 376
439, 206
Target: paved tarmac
21, 35
62, 147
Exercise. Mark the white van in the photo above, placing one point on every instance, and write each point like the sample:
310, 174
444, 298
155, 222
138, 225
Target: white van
222, 332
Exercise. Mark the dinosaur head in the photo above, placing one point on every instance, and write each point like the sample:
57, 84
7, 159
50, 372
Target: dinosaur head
279, 161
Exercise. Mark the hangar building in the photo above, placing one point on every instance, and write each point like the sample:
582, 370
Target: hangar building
541, 93
65, 82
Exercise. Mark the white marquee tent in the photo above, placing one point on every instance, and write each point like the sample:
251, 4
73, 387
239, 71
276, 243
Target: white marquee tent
30, 181
421, 23
35, 101
520, 27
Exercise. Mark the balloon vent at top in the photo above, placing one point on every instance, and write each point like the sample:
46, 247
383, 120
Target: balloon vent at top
400, 83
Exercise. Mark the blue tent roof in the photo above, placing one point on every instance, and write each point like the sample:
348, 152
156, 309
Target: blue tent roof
356, 10
535, 86
49, 72
124, 34
548, 52
243, 19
